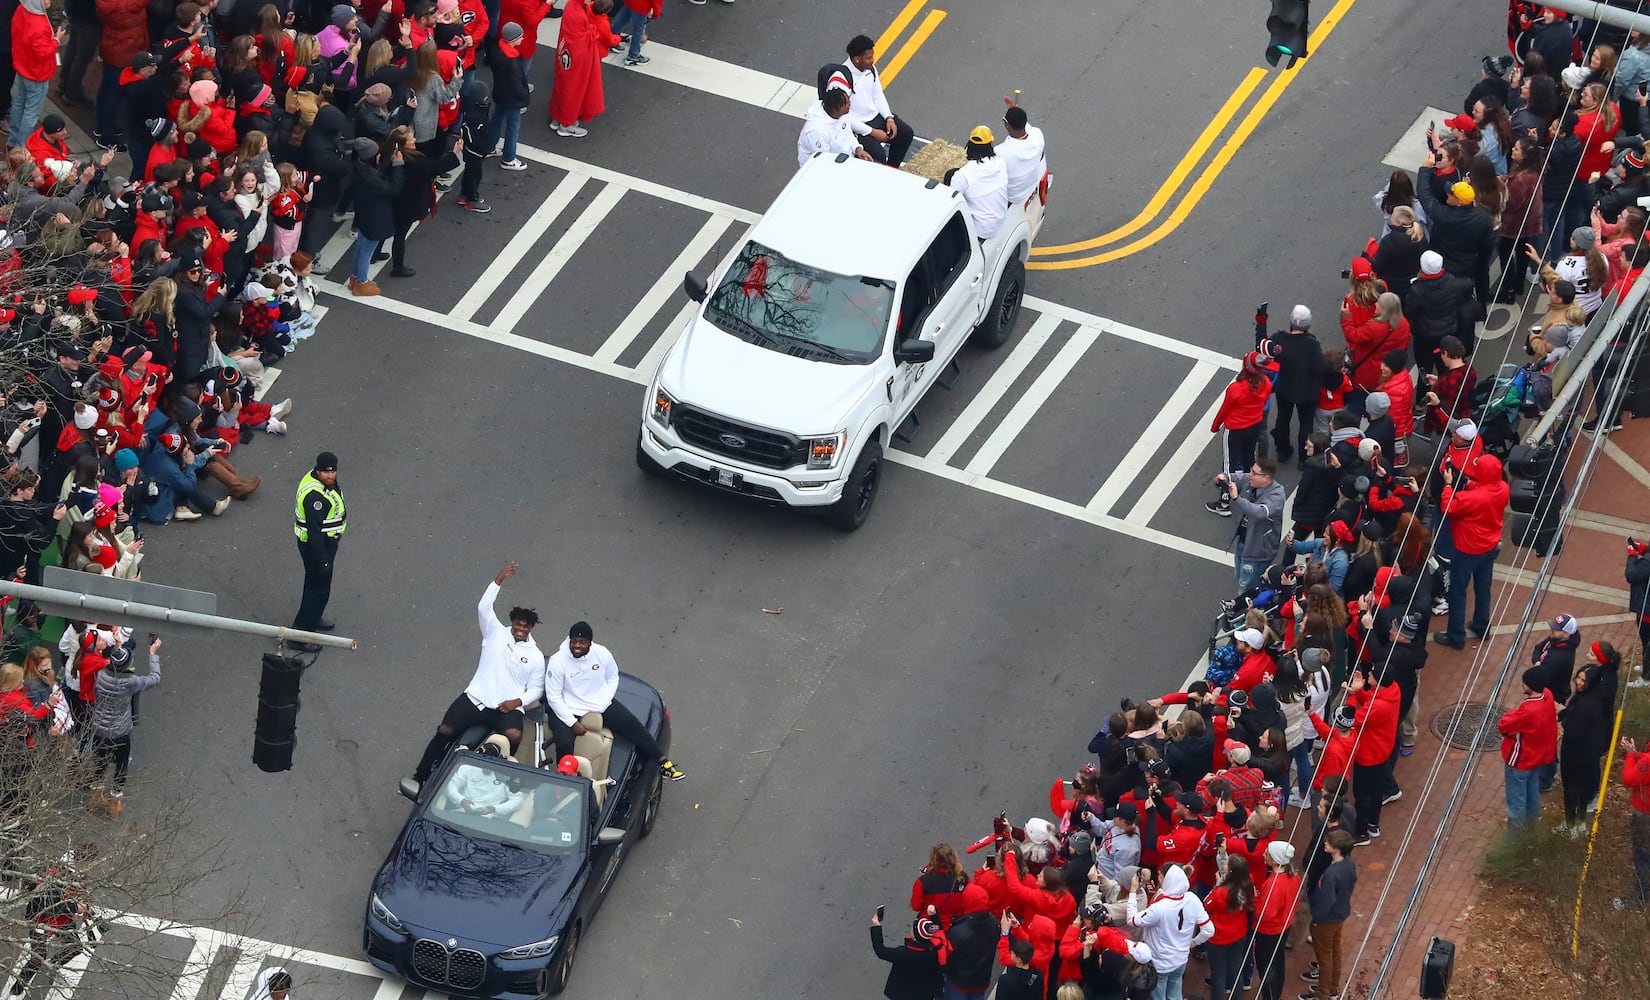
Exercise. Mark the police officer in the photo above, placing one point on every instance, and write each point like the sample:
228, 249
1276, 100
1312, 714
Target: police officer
319, 523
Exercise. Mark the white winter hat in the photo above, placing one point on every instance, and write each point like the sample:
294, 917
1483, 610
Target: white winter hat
1432, 262
1140, 951
1300, 318
85, 418
1574, 76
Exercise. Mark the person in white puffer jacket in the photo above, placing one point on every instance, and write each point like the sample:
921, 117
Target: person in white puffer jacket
1171, 926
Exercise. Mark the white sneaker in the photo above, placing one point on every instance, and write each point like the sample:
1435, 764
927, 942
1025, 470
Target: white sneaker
572, 131
1395, 796
185, 514
340, 216
281, 409
513, 165
1298, 801
274, 426
219, 507
1440, 607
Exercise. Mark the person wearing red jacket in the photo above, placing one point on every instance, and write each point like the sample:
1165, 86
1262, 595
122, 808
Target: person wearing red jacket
1474, 512
1230, 906
14, 699
1258, 834
1367, 343
1041, 933
194, 217
1050, 898
1240, 420
585, 39
1336, 758
1400, 391
49, 145
1178, 845
991, 881
1375, 748
34, 59
1529, 740
1275, 906
528, 14
1257, 663
940, 885
1635, 774
473, 16
125, 34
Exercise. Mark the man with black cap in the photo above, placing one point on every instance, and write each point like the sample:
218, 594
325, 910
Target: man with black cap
509, 674
319, 523
64, 385
581, 677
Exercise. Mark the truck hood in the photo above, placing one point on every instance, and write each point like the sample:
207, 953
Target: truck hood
716, 371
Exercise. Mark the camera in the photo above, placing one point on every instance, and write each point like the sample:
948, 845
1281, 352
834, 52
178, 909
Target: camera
1346, 272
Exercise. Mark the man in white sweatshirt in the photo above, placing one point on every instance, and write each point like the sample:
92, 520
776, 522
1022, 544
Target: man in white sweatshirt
1172, 925
825, 129
581, 677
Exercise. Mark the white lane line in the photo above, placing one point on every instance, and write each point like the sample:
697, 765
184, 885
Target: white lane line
995, 388
1064, 508
1610, 523
1027, 406
202, 947
1177, 468
1135, 334
1627, 462
1569, 587
498, 270
663, 192
1145, 447
239, 984
669, 283
1591, 620
539, 279
389, 989
655, 354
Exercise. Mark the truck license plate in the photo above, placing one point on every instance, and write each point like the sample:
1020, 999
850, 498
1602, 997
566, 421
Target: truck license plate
728, 479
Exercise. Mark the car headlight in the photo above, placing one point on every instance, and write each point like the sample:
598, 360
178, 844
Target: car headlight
662, 405
538, 949
824, 451
385, 914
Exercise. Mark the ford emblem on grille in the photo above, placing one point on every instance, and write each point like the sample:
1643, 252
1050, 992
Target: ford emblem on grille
732, 440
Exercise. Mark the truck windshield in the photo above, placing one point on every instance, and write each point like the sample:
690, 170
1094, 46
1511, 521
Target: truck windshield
772, 301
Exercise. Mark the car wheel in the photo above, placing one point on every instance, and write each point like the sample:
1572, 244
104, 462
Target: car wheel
564, 962
645, 462
860, 491
650, 812
998, 324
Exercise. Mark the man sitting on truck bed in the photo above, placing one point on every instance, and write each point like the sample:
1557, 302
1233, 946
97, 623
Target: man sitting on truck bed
825, 129
983, 181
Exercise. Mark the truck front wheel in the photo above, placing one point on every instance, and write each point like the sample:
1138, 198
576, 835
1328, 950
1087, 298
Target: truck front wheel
998, 324
860, 491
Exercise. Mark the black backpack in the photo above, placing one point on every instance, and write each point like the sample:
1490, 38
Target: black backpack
1139, 980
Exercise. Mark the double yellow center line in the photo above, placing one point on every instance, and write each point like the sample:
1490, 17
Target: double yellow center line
1062, 255
896, 62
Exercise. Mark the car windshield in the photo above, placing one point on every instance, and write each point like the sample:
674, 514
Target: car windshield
505, 803
772, 301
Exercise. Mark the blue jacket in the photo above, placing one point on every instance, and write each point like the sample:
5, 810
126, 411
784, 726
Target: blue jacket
172, 483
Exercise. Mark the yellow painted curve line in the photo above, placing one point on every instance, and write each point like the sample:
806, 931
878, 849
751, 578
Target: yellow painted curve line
1176, 177
900, 21
930, 21
1206, 180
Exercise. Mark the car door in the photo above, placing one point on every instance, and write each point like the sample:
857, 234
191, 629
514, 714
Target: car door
935, 305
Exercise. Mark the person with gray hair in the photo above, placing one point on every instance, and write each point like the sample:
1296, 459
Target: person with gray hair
1300, 376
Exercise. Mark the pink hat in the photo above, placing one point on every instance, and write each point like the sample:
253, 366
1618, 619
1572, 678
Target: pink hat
108, 495
203, 92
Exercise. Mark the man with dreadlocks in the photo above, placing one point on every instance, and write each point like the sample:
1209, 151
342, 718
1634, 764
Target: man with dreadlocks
509, 674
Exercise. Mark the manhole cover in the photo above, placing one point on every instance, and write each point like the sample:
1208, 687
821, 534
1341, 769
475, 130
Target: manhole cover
1458, 725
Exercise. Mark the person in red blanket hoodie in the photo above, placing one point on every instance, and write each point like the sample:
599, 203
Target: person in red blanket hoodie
1050, 898
529, 14
215, 243
585, 38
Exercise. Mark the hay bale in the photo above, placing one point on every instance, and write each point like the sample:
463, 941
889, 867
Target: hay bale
934, 159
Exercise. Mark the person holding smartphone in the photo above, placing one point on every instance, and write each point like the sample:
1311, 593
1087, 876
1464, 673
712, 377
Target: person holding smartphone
914, 968
27, 525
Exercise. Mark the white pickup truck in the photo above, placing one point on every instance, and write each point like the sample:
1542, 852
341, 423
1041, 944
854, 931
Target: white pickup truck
845, 305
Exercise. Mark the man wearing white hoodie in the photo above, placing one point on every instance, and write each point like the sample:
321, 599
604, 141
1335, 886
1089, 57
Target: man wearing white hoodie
826, 129
581, 677
1172, 925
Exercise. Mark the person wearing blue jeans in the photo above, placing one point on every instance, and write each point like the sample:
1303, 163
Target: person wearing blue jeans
511, 93
26, 106
1529, 740
1475, 510
631, 18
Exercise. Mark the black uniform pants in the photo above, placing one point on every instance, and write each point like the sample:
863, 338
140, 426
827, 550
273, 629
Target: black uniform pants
615, 717
317, 583
1581, 774
1303, 414
892, 153
461, 715
54, 949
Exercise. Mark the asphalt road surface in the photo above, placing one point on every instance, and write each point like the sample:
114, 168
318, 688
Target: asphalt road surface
1039, 549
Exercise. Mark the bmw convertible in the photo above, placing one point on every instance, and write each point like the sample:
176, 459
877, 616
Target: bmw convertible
502, 866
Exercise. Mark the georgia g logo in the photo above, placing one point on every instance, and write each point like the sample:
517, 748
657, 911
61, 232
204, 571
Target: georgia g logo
566, 58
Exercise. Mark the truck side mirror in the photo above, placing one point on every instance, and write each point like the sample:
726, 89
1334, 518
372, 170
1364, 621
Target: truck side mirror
694, 286
914, 352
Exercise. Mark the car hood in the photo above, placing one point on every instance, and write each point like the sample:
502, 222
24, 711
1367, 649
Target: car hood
439, 880
716, 371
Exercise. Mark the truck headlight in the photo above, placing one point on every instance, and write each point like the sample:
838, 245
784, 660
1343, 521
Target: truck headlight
662, 405
823, 451
386, 915
538, 949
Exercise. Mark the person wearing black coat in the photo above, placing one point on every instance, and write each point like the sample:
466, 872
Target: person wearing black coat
193, 312
1554, 658
1397, 260
1492, 84
1552, 37
1439, 305
375, 187
1300, 373
1637, 575
1190, 755
416, 198
1461, 233
1560, 215
27, 525
973, 938
475, 112
914, 972
1316, 495
1586, 721
324, 155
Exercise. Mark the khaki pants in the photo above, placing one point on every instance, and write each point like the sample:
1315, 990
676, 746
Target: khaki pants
1406, 725
1326, 945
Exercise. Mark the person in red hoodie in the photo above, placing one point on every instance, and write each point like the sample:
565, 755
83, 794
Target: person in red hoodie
1474, 512
1367, 343
49, 145
1374, 750
1230, 906
1276, 901
1257, 835
34, 58
1041, 933
1529, 740
1400, 391
991, 881
940, 885
1635, 774
1050, 898
1257, 664
1240, 421
585, 39
1336, 758
528, 14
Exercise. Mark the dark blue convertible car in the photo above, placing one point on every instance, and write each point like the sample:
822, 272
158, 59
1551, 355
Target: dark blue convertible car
501, 866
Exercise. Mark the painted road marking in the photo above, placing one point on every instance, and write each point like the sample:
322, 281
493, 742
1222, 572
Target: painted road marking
897, 62
656, 354
540, 277
531, 230
1145, 448
990, 394
1027, 406
1175, 470
663, 289
1411, 148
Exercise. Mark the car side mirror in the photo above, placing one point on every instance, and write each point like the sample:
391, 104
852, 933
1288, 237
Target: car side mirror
694, 286
914, 352
409, 789
610, 835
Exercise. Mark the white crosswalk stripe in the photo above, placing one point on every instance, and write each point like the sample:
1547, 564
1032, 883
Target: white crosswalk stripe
1014, 387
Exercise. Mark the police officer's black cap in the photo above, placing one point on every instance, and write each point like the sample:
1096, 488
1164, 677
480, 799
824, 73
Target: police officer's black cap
326, 461
68, 349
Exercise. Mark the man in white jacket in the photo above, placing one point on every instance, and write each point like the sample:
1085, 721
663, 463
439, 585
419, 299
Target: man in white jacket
825, 129
581, 677
1171, 926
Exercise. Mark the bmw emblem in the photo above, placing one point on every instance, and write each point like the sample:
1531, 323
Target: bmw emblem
733, 440
452, 942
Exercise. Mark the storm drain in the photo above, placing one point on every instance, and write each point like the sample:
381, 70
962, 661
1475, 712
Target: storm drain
1458, 725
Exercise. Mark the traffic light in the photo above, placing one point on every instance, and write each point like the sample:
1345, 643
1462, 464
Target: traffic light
277, 713
1289, 29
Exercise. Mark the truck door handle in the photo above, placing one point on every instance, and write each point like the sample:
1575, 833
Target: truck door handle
976, 280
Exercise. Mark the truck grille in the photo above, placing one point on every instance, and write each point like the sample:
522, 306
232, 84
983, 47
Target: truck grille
460, 968
721, 436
